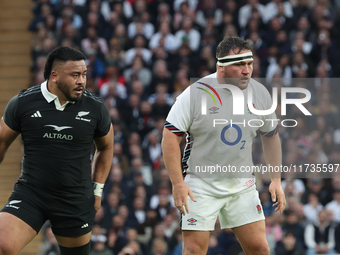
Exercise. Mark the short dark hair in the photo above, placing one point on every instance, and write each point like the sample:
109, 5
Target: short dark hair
231, 43
289, 213
290, 233
61, 55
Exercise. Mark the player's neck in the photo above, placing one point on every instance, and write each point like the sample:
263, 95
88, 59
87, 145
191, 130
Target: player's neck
53, 88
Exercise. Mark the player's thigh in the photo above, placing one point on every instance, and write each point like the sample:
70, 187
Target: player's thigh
77, 241
241, 209
195, 242
253, 238
202, 213
197, 224
21, 219
15, 234
72, 220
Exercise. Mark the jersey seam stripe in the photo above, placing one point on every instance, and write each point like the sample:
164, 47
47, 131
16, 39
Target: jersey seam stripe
34, 90
91, 95
173, 129
187, 152
27, 94
36, 87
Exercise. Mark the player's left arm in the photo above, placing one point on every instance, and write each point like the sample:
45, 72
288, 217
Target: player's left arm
273, 156
101, 164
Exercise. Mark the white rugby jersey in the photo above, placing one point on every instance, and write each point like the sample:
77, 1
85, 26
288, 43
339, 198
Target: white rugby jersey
222, 145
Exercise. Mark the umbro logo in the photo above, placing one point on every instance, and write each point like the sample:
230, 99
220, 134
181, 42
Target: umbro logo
58, 128
192, 221
214, 110
85, 225
36, 114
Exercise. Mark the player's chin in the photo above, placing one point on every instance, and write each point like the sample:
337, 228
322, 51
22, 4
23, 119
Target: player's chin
243, 83
76, 96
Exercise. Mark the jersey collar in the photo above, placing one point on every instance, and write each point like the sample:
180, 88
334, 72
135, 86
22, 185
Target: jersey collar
51, 97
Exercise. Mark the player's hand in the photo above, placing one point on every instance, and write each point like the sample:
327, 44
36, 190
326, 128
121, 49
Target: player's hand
97, 202
278, 195
318, 248
180, 193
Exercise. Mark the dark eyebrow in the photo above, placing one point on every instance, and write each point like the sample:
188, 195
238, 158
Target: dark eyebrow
78, 72
244, 63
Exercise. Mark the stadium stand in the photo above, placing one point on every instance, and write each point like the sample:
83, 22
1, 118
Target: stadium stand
141, 56
15, 57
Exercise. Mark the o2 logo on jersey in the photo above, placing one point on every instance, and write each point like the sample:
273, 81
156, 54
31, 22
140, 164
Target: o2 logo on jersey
237, 140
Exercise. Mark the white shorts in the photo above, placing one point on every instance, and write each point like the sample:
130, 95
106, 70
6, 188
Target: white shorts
233, 211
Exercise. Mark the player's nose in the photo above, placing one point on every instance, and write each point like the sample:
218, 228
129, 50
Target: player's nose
246, 69
81, 80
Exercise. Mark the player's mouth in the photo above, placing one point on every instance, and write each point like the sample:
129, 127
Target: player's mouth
79, 90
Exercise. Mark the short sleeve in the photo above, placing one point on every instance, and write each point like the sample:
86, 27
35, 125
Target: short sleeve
179, 118
11, 117
104, 123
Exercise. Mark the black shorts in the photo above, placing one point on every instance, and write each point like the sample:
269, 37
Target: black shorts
69, 217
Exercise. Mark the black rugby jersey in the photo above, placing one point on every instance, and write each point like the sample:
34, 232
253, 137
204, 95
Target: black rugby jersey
57, 143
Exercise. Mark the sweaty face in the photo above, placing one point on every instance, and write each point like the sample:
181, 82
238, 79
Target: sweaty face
239, 73
71, 79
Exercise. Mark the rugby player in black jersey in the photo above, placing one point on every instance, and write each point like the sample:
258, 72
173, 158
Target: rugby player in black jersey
59, 120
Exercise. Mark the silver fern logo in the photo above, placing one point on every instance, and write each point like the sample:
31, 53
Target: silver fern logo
81, 114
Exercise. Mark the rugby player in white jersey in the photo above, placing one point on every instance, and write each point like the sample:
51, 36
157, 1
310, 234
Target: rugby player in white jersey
231, 196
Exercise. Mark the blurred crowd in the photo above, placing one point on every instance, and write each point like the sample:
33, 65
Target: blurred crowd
141, 55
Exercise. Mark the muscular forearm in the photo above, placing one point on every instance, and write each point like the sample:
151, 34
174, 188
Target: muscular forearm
3, 150
172, 157
273, 157
273, 154
102, 162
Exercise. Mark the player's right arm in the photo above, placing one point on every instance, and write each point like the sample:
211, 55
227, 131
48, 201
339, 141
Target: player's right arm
9, 126
177, 123
7, 136
172, 160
